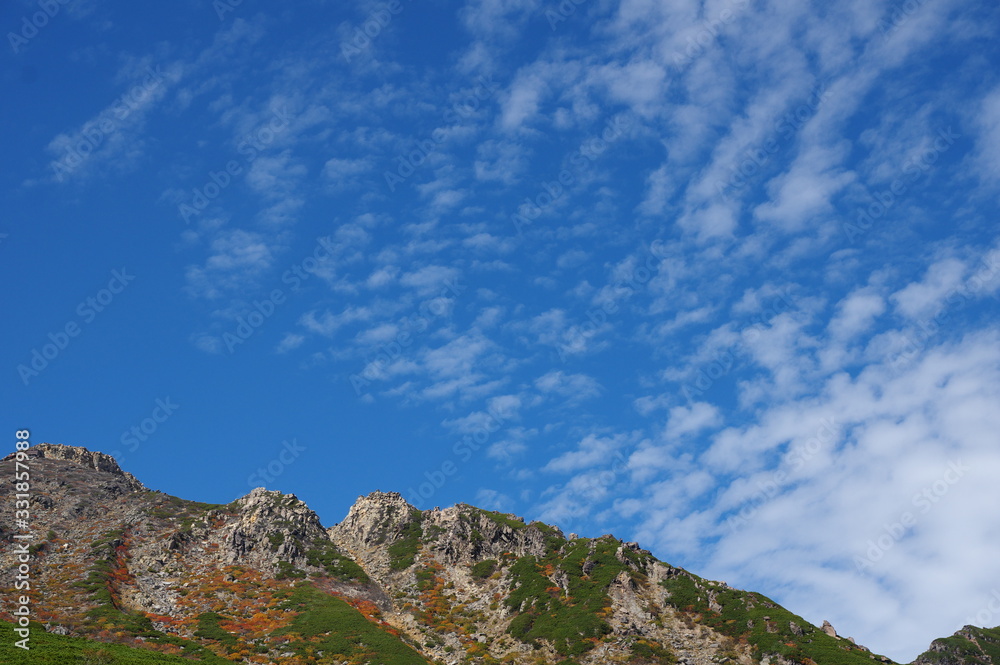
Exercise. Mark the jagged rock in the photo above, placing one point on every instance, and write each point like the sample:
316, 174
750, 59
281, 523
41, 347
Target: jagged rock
82, 456
828, 629
969, 645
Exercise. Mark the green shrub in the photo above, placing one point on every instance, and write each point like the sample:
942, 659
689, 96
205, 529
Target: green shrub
209, 628
403, 552
288, 571
343, 632
324, 554
483, 569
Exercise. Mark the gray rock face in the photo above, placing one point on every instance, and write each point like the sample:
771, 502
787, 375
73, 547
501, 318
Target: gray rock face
83, 457
271, 527
375, 518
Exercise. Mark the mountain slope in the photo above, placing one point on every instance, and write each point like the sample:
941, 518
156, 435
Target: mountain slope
969, 646
260, 580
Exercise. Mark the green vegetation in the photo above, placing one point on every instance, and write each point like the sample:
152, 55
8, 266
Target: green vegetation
276, 539
287, 571
571, 618
765, 625
484, 569
324, 555
403, 552
209, 628
553, 539
432, 532
107, 538
502, 518
50, 649
343, 632
425, 579
652, 652
166, 506
984, 650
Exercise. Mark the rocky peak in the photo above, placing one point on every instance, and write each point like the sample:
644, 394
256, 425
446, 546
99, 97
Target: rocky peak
468, 534
261, 502
968, 645
375, 517
83, 457
272, 526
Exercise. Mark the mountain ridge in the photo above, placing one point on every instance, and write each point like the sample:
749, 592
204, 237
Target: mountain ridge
262, 580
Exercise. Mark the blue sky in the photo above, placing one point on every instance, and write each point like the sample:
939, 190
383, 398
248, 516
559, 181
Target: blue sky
720, 277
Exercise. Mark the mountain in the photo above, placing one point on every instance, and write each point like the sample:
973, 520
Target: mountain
120, 573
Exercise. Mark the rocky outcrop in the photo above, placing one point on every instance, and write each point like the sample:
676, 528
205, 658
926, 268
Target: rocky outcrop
468, 535
83, 457
375, 518
270, 527
968, 646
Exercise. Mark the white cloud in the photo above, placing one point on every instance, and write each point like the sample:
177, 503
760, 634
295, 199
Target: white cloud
501, 161
574, 387
988, 139
290, 342
327, 323
238, 258
592, 450
685, 420
924, 299
339, 169
856, 313
275, 176
805, 192
430, 279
